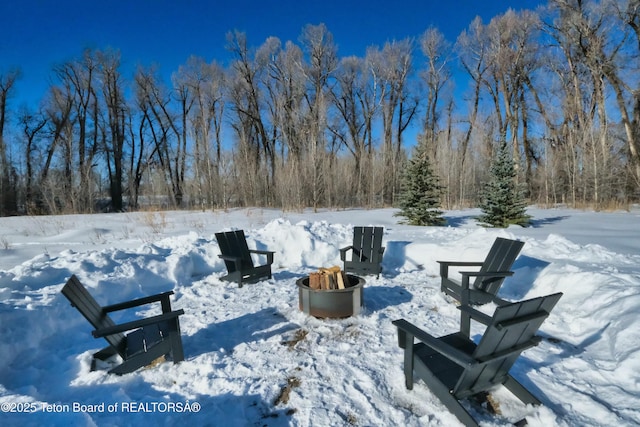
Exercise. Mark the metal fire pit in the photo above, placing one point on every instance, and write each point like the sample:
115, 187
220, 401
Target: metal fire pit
334, 303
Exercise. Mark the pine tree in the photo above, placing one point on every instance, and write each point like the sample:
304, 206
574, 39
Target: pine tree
503, 202
421, 190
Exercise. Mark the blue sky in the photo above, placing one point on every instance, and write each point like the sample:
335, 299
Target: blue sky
37, 34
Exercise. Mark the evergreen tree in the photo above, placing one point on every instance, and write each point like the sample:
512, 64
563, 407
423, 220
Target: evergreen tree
421, 190
503, 200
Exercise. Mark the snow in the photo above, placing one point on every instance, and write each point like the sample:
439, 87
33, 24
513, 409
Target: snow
247, 347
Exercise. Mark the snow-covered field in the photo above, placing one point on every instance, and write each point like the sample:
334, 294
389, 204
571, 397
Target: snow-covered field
253, 359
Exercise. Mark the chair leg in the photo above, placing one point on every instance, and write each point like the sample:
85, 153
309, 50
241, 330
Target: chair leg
105, 353
443, 393
454, 406
465, 324
126, 367
520, 391
451, 288
405, 341
236, 276
408, 366
139, 360
177, 352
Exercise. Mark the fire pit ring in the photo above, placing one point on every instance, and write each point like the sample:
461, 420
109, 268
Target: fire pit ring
331, 303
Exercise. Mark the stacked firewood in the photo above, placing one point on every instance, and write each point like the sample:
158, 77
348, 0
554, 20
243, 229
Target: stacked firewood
328, 278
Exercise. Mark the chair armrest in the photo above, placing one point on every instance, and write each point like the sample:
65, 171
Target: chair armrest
123, 327
487, 273
526, 318
343, 252
444, 266
476, 315
269, 254
236, 260
429, 340
163, 297
499, 301
491, 274
261, 252
466, 291
534, 341
488, 277
461, 263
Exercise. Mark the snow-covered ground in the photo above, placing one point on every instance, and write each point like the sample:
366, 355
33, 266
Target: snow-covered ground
253, 359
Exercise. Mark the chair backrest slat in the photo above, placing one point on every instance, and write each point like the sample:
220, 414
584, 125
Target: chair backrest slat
501, 257
82, 300
512, 329
367, 242
234, 243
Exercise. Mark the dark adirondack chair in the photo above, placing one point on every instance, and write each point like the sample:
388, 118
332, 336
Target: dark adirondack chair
237, 257
455, 368
366, 251
150, 338
487, 281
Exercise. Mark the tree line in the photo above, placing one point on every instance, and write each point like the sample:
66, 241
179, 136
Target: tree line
294, 125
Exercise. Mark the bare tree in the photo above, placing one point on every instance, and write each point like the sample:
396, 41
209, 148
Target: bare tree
628, 14
205, 82
436, 74
78, 78
317, 43
169, 146
512, 57
114, 132
285, 86
256, 143
8, 203
186, 100
33, 125
391, 67
58, 108
473, 47
592, 52
138, 158
353, 96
